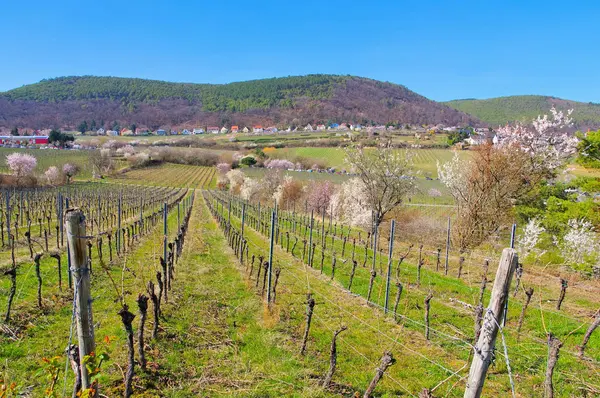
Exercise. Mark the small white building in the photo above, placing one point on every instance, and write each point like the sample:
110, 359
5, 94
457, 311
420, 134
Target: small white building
224, 130
100, 131
309, 127
198, 131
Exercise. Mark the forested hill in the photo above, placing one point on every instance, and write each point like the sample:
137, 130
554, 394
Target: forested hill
524, 108
66, 101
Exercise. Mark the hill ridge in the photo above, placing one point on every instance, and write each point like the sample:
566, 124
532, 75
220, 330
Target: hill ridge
68, 100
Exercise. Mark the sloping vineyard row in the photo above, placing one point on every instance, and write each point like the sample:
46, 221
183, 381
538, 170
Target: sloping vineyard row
172, 175
356, 270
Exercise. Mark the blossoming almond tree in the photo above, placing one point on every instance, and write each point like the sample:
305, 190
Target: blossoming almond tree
544, 140
21, 164
69, 170
53, 175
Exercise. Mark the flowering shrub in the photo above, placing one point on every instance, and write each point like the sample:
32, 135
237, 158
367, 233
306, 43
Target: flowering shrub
223, 168
530, 237
580, 244
140, 159
69, 170
236, 179
250, 189
126, 151
281, 164
21, 164
53, 175
319, 196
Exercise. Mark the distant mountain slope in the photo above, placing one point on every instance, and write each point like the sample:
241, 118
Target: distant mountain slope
524, 108
67, 101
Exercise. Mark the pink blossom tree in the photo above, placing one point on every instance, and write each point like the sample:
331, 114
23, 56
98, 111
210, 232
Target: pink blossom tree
223, 168
281, 164
70, 170
319, 196
21, 164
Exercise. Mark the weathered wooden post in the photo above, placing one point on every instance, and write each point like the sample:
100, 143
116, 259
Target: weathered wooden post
270, 269
447, 248
494, 315
310, 237
165, 232
75, 226
389, 270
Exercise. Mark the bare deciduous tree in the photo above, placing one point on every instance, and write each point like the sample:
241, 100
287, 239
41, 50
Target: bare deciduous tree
387, 176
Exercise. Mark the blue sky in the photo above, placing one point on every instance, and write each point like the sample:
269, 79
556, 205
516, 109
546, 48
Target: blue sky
441, 49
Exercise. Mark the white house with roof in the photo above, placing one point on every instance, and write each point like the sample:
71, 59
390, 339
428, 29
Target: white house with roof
198, 131
185, 132
224, 130
100, 131
212, 130
308, 127
245, 130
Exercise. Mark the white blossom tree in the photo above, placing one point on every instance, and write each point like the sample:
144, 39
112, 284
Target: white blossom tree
21, 164
580, 244
53, 175
528, 240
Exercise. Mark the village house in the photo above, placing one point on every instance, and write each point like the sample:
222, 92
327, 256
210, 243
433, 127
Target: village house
212, 130
308, 127
161, 132
235, 129
185, 132
334, 126
100, 131
112, 133
224, 130
320, 127
271, 130
257, 129
245, 130
198, 131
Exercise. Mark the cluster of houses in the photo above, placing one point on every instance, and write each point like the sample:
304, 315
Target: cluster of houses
257, 129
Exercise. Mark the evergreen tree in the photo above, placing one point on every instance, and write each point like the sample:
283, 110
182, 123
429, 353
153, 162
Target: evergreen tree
83, 127
14, 131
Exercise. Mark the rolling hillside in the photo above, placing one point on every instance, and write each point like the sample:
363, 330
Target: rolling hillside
524, 108
67, 101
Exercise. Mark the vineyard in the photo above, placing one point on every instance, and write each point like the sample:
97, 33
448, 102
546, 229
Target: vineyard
421, 305
170, 175
297, 305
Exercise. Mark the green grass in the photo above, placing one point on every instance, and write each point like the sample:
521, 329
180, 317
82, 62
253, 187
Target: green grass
51, 157
452, 319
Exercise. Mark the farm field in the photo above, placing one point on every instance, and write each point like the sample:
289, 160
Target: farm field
425, 160
52, 157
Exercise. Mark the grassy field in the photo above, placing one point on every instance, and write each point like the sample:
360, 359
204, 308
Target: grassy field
51, 157
425, 160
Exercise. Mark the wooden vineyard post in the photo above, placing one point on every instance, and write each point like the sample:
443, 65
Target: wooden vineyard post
484, 349
165, 231
75, 225
375, 232
554, 345
389, 270
120, 204
270, 269
447, 248
310, 236
243, 219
